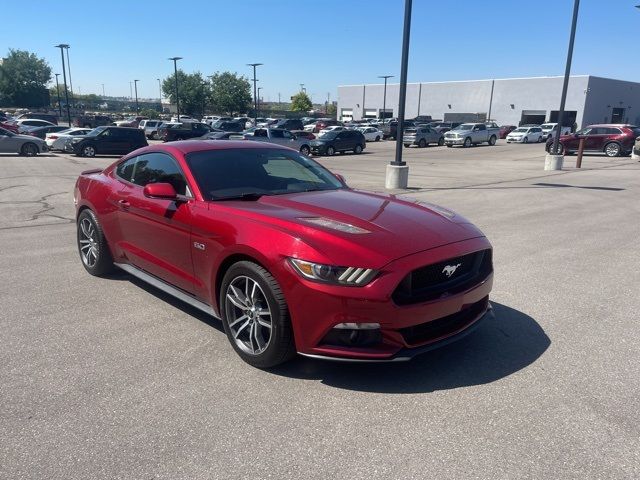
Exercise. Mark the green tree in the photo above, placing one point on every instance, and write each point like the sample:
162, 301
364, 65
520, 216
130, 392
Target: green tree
230, 93
23, 80
191, 91
149, 112
332, 109
301, 102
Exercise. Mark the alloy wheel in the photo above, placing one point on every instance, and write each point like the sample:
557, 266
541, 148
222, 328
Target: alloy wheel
248, 315
612, 150
88, 243
89, 151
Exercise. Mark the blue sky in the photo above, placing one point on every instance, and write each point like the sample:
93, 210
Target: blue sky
321, 43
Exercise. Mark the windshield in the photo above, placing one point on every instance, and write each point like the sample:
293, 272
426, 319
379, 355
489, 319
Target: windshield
249, 173
96, 131
547, 126
330, 135
464, 126
521, 130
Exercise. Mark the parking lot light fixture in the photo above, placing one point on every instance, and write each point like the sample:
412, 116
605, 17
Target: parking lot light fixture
175, 70
258, 104
135, 84
384, 96
58, 90
255, 92
553, 161
62, 46
397, 175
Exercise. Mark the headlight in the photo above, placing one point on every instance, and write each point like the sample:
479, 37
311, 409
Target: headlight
348, 276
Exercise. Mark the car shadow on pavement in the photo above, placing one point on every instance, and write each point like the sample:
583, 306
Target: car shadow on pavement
500, 347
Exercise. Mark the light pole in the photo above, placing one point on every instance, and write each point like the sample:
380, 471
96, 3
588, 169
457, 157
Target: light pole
384, 98
175, 70
398, 171
58, 90
204, 97
62, 46
302, 89
69, 69
135, 84
554, 161
160, 92
130, 91
255, 93
103, 95
259, 88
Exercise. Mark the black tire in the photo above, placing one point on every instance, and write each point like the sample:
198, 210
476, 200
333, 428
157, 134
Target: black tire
407, 145
29, 149
449, 145
612, 149
525, 140
377, 138
88, 151
154, 135
441, 141
102, 255
330, 151
280, 346
467, 142
540, 139
357, 149
492, 140
560, 149
422, 143
305, 150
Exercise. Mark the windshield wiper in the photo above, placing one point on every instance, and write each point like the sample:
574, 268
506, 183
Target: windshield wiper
249, 196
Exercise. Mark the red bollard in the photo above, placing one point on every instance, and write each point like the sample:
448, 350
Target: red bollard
580, 152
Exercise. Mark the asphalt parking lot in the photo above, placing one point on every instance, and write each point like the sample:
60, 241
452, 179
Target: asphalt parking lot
109, 378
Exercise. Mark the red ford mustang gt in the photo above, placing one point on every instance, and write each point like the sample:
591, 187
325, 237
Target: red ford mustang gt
284, 253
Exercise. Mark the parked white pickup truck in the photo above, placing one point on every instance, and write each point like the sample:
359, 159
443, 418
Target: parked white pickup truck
549, 129
281, 137
469, 134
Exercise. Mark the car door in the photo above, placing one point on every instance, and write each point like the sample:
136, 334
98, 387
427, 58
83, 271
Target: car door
594, 140
156, 233
277, 136
8, 142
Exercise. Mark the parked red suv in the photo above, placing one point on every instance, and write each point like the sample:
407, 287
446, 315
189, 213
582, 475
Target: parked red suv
506, 130
612, 139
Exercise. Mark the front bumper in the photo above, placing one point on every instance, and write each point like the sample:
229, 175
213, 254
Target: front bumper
318, 149
453, 141
514, 140
405, 330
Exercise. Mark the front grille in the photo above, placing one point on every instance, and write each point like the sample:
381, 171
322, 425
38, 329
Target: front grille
444, 278
445, 326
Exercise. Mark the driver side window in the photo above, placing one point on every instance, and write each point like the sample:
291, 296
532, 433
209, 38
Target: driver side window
159, 168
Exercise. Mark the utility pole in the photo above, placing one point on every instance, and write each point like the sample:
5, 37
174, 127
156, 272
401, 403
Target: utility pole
58, 90
258, 104
103, 95
398, 171
62, 46
491, 100
255, 93
69, 68
135, 83
554, 161
175, 69
384, 98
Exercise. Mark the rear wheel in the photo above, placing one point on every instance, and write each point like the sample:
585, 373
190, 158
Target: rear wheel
358, 149
612, 149
92, 245
29, 150
304, 150
88, 151
422, 143
467, 142
441, 141
407, 145
378, 138
492, 140
255, 315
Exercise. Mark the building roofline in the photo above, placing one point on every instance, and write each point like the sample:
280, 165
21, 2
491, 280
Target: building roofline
479, 80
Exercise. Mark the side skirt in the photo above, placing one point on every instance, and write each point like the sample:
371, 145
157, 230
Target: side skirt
167, 288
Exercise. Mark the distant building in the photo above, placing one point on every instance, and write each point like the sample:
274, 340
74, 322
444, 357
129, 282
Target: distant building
514, 101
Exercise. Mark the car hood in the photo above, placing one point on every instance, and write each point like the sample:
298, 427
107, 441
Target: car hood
397, 227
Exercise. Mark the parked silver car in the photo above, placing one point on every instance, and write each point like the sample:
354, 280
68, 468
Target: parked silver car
26, 145
469, 134
281, 137
422, 136
150, 128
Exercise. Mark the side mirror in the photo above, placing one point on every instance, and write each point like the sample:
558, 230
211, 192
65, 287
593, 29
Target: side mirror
340, 177
160, 190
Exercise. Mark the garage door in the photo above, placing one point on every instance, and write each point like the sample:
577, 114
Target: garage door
346, 114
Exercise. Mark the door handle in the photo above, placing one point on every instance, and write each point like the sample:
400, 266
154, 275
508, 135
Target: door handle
124, 203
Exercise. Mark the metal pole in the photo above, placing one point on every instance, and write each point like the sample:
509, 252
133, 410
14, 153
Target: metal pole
103, 95
58, 90
258, 103
160, 92
567, 71
419, 97
69, 68
255, 93
175, 70
491, 100
403, 82
135, 83
384, 97
130, 91
64, 78
364, 93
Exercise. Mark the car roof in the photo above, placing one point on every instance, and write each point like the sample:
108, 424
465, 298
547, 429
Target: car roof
611, 125
189, 146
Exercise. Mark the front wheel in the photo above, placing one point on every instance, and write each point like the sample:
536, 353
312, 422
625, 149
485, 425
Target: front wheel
467, 142
525, 140
304, 150
441, 141
422, 143
331, 151
92, 245
88, 151
358, 149
29, 150
255, 315
407, 145
377, 138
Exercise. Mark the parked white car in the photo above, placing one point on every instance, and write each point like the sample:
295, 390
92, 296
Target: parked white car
371, 134
150, 128
525, 135
334, 128
26, 124
183, 119
57, 140
551, 128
